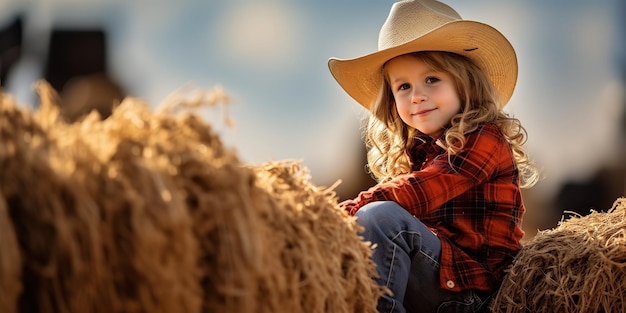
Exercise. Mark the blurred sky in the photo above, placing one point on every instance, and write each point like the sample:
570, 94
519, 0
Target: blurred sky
271, 57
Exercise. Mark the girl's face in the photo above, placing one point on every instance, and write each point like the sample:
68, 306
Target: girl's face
425, 99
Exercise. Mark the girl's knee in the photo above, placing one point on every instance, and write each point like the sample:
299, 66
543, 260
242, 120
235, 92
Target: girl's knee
372, 208
376, 212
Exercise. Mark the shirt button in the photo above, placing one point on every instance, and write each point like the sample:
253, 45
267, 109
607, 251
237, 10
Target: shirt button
450, 284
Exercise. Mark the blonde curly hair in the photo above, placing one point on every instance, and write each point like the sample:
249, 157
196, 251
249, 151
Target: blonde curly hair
388, 139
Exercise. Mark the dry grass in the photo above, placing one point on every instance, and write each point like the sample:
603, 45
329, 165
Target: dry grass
580, 266
149, 212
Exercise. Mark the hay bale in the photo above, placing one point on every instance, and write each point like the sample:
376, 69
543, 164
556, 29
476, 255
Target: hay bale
580, 266
10, 263
94, 230
323, 266
149, 212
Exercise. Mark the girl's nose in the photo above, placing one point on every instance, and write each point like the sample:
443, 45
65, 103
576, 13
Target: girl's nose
418, 96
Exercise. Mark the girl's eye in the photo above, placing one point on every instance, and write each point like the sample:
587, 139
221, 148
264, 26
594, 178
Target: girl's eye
432, 80
404, 87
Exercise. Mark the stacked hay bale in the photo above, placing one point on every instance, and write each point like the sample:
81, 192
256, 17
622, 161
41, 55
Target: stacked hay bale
149, 212
580, 266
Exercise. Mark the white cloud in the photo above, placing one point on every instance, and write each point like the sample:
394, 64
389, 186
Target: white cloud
259, 34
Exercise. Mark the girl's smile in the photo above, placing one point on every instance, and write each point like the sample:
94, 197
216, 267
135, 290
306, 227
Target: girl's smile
423, 112
425, 99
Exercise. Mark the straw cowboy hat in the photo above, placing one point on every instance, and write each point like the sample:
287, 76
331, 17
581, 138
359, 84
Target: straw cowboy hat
428, 25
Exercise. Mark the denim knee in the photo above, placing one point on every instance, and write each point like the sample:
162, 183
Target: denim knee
373, 213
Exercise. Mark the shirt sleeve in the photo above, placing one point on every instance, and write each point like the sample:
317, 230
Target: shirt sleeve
423, 191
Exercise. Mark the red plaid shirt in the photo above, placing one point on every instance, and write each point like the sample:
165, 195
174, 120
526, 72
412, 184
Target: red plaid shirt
471, 201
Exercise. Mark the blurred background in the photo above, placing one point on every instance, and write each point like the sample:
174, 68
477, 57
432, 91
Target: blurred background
270, 57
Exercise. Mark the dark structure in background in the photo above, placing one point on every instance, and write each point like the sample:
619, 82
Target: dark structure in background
75, 66
10, 47
74, 53
602, 189
598, 193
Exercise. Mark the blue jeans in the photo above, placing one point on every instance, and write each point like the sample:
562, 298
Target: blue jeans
407, 257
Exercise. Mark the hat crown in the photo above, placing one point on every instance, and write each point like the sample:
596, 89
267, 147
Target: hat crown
412, 19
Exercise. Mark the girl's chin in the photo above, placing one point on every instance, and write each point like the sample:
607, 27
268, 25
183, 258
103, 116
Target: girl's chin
431, 132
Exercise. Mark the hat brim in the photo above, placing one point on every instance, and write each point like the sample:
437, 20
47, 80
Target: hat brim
362, 77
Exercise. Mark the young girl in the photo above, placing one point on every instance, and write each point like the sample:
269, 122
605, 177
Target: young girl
446, 213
